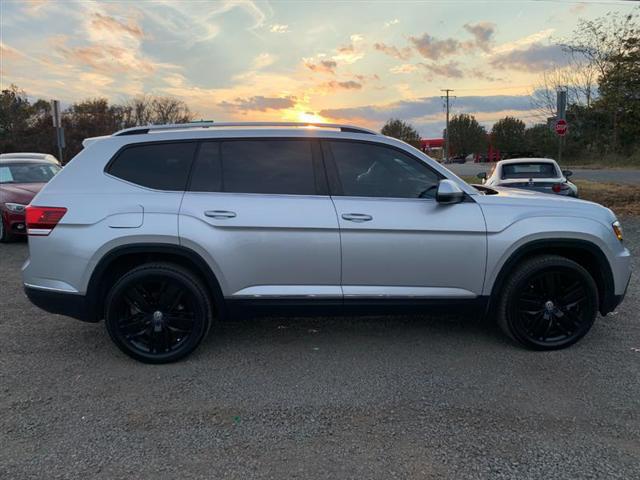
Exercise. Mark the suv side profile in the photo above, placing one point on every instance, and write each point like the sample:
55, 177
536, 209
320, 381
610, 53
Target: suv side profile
163, 230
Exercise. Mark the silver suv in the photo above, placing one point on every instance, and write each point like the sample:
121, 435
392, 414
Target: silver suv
164, 230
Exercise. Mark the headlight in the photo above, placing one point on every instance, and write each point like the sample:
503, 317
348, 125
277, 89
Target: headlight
15, 207
617, 229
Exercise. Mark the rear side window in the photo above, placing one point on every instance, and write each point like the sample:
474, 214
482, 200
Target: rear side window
255, 166
161, 166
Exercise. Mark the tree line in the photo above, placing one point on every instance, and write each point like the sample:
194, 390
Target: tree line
27, 126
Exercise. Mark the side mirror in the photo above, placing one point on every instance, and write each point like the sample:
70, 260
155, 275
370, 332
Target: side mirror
567, 173
449, 192
482, 176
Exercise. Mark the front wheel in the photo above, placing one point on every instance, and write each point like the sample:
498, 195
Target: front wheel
548, 303
158, 313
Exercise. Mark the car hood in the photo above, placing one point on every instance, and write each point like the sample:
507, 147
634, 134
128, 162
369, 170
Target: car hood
512, 204
19, 192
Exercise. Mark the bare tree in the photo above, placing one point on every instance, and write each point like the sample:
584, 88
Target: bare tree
149, 109
170, 110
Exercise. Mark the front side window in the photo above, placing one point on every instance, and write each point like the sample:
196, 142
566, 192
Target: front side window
27, 172
161, 166
255, 166
368, 170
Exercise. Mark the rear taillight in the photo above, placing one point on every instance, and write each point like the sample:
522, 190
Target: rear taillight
41, 220
558, 187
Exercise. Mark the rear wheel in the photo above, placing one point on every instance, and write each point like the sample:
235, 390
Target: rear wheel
548, 303
158, 313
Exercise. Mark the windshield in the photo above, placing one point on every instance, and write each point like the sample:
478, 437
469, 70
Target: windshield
529, 170
27, 172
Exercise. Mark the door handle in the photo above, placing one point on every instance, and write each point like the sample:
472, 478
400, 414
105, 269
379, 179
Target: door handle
219, 214
357, 217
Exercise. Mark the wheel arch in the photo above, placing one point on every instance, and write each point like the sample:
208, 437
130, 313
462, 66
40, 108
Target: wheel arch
583, 252
125, 257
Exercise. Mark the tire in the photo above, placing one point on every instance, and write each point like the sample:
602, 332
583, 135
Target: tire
548, 303
158, 313
5, 236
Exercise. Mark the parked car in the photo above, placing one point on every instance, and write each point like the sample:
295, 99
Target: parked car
164, 230
21, 177
539, 174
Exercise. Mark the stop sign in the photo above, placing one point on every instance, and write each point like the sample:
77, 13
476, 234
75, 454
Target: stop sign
561, 127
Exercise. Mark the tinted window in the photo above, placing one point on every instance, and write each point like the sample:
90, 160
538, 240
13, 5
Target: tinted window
367, 170
529, 170
27, 172
207, 171
268, 166
162, 166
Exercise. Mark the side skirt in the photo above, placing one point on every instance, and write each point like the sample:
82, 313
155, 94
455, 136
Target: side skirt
247, 308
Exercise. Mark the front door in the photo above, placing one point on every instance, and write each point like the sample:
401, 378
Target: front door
397, 241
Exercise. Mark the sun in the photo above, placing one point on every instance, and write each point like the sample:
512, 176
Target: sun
310, 117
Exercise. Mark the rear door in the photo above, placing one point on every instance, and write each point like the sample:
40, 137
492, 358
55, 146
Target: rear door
258, 210
397, 241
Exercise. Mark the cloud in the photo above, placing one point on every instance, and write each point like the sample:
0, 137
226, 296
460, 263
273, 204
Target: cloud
8, 53
263, 60
534, 58
482, 33
524, 41
351, 52
448, 70
390, 23
346, 85
325, 66
279, 28
420, 107
404, 68
259, 103
99, 21
433, 49
400, 53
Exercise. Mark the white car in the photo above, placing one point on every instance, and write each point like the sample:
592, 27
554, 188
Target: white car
539, 174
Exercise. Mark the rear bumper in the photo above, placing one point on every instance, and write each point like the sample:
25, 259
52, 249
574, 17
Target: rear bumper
61, 303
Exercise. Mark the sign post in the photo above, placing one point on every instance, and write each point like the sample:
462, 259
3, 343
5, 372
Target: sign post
56, 114
561, 114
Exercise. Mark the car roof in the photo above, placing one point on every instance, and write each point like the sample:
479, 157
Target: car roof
28, 157
527, 160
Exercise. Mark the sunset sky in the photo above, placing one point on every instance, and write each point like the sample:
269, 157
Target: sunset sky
354, 62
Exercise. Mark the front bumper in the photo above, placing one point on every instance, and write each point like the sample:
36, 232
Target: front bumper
61, 303
14, 222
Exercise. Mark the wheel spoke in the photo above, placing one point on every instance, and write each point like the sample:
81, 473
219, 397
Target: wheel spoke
180, 322
171, 297
136, 298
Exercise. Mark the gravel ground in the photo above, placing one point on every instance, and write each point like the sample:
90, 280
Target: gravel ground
410, 397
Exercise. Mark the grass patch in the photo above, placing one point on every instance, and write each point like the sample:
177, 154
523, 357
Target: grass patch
622, 199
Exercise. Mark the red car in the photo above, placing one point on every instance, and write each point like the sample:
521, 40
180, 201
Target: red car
22, 175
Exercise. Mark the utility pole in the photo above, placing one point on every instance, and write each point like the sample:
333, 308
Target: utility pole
446, 96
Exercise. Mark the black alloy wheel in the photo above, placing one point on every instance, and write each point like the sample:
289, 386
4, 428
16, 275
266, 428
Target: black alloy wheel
158, 313
549, 303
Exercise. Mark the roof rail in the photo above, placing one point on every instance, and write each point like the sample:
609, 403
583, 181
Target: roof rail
184, 126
